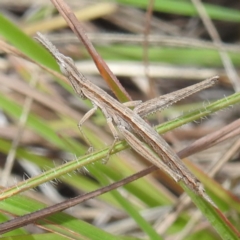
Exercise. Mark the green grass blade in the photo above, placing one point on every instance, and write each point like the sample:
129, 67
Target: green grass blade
38, 125
224, 228
179, 56
25, 43
186, 8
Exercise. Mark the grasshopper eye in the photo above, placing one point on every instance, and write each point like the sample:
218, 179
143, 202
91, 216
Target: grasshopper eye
65, 63
63, 69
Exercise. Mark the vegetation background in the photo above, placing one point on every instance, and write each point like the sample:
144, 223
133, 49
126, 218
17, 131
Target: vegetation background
151, 55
